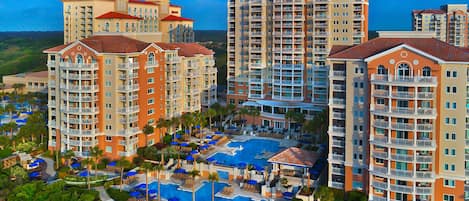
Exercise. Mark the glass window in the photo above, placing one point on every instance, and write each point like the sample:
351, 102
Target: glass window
426, 72
403, 70
79, 59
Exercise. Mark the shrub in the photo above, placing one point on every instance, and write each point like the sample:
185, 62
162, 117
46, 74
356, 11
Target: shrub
118, 195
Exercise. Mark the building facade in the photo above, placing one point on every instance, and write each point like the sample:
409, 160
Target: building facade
149, 21
398, 119
33, 82
104, 89
450, 23
277, 52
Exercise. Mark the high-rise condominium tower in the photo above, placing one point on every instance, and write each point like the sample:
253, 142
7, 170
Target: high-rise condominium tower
103, 90
450, 23
398, 119
277, 52
149, 21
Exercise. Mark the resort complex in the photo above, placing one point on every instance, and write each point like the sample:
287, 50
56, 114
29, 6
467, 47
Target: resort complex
277, 53
317, 108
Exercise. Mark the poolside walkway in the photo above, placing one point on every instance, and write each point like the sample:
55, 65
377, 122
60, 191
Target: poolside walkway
50, 171
103, 194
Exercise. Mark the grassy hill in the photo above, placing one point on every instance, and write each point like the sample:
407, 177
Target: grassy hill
22, 51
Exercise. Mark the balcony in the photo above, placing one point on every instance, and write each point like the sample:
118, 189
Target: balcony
129, 131
338, 131
338, 115
402, 157
83, 111
424, 159
128, 66
394, 80
339, 171
78, 88
381, 124
379, 154
424, 190
401, 188
129, 110
125, 120
129, 76
76, 66
129, 88
381, 185
338, 143
152, 64
403, 95
338, 185
338, 157
78, 76
128, 98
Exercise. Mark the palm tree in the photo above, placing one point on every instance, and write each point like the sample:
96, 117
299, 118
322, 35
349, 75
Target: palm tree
160, 124
194, 173
122, 163
188, 121
18, 87
289, 115
242, 112
68, 155
254, 112
96, 153
88, 162
174, 122
319, 124
10, 108
11, 126
210, 114
2, 87
158, 169
147, 167
148, 130
213, 177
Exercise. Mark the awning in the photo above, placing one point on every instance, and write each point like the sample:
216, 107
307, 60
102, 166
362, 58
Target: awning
131, 173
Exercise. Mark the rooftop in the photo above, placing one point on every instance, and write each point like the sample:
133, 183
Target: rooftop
175, 18
432, 46
186, 49
109, 44
142, 2
429, 11
39, 74
117, 15
295, 157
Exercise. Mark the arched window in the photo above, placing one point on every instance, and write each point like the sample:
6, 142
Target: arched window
403, 70
106, 27
427, 71
151, 58
79, 59
382, 70
118, 27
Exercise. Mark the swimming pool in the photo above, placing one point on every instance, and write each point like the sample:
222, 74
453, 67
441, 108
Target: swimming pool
254, 152
204, 193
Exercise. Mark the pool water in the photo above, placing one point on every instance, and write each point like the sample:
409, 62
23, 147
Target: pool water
204, 193
254, 152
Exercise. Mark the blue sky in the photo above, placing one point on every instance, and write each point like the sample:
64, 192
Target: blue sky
45, 15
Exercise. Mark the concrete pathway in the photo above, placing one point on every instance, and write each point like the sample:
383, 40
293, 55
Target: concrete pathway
103, 194
49, 168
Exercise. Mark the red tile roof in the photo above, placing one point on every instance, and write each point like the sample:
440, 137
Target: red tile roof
429, 11
175, 18
143, 2
172, 5
116, 15
295, 156
186, 49
109, 44
434, 47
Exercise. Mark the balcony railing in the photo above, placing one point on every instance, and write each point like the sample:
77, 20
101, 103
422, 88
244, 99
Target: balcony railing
72, 66
405, 80
132, 109
128, 66
401, 188
381, 185
424, 190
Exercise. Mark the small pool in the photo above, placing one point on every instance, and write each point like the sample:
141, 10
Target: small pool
254, 152
204, 193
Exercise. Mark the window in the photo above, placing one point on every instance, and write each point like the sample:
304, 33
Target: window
426, 72
455, 74
108, 149
118, 27
151, 101
150, 80
108, 61
150, 70
150, 91
382, 70
453, 167
449, 183
108, 94
79, 59
151, 58
108, 138
448, 197
150, 111
403, 70
454, 105
106, 27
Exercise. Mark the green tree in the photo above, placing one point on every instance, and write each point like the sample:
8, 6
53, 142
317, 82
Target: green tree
68, 155
213, 177
2, 87
194, 173
324, 194
210, 114
147, 167
158, 169
242, 112
188, 121
18, 87
254, 113
122, 163
148, 130
356, 196
319, 124
96, 154
88, 162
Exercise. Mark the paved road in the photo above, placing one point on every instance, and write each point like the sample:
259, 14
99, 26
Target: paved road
50, 171
103, 194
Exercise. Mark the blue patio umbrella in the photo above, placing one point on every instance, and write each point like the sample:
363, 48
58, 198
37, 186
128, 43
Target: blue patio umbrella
131, 173
34, 174
75, 165
29, 113
177, 135
218, 132
141, 186
204, 147
173, 199
184, 144
242, 165
33, 165
188, 131
189, 158
209, 137
213, 142
210, 159
84, 173
194, 152
152, 191
180, 171
174, 143
287, 195
112, 164
252, 182
198, 126
39, 160
135, 194
153, 197
259, 168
